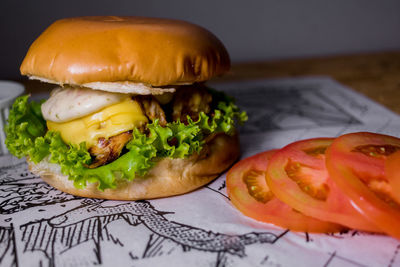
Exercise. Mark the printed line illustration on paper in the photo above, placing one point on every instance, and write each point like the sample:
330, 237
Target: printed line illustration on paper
289, 107
88, 222
20, 190
8, 255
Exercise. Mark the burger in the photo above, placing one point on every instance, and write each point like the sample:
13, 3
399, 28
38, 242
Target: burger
130, 116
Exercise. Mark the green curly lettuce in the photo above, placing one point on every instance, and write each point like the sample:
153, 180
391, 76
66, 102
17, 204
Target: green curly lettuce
25, 124
27, 135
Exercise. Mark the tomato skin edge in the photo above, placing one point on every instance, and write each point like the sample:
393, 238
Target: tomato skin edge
374, 209
279, 213
337, 208
392, 170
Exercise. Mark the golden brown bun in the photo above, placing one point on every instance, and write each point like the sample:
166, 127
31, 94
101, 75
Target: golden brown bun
168, 178
152, 51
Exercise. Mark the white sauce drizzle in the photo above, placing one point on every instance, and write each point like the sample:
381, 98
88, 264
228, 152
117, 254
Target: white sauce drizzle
69, 103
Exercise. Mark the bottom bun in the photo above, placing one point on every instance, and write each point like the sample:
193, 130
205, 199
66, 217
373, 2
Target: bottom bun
168, 177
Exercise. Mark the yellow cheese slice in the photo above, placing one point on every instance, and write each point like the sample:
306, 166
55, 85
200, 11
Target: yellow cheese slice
109, 121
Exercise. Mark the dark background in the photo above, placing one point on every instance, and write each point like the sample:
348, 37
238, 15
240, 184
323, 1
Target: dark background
251, 30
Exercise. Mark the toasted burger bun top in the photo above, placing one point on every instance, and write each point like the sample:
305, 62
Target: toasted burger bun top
125, 50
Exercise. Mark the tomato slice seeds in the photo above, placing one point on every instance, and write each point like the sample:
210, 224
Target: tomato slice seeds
320, 184
392, 171
250, 194
356, 162
297, 175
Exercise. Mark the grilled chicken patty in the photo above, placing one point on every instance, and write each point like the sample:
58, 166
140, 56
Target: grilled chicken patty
186, 102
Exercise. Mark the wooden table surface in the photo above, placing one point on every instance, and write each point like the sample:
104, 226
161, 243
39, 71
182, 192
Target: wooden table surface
375, 75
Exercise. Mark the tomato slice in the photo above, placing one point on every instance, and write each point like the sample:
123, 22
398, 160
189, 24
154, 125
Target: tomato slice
297, 175
356, 162
392, 171
250, 194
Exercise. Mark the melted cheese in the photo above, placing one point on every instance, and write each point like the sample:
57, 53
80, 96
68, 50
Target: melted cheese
110, 121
